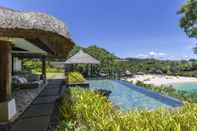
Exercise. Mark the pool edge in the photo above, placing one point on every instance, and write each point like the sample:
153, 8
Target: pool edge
168, 100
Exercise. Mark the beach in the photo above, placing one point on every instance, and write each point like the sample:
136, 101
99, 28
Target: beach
159, 80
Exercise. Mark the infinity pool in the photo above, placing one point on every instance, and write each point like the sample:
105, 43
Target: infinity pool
128, 96
188, 87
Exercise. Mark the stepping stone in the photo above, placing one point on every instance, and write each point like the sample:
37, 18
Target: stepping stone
52, 87
45, 100
33, 124
37, 116
38, 110
50, 92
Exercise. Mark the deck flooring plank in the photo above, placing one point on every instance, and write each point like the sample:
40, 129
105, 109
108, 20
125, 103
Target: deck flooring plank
37, 116
33, 124
38, 110
45, 100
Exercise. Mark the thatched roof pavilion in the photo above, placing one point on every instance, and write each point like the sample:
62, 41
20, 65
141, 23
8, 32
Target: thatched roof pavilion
82, 58
28, 33
42, 30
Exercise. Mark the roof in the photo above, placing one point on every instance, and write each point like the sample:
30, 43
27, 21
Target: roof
42, 30
26, 46
82, 58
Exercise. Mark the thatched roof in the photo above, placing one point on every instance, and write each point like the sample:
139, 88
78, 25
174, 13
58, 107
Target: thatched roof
42, 30
82, 58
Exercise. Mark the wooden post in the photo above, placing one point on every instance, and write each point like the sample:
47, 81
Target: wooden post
5, 71
91, 70
7, 105
12, 65
44, 66
22, 64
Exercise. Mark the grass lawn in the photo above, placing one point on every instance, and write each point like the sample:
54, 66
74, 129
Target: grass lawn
54, 75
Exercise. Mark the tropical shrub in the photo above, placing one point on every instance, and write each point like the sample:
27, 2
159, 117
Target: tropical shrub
170, 91
85, 110
35, 65
75, 78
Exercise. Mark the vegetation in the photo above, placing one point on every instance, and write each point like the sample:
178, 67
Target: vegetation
110, 65
106, 58
75, 78
188, 20
169, 91
182, 68
85, 110
189, 16
35, 66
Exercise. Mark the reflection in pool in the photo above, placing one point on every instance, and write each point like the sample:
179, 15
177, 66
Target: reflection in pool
128, 96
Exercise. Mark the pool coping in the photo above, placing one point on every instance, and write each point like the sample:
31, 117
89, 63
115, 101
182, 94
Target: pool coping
168, 100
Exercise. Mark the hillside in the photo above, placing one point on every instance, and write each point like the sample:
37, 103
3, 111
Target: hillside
95, 51
105, 57
182, 67
135, 65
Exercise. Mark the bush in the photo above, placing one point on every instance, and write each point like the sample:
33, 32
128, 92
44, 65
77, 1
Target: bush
170, 91
75, 78
36, 66
88, 111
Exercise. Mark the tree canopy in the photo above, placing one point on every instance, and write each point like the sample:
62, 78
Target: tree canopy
110, 65
188, 20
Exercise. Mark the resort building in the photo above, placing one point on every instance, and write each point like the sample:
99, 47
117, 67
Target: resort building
27, 35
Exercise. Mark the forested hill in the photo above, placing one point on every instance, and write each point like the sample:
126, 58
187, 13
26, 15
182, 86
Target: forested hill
178, 67
97, 52
108, 63
105, 57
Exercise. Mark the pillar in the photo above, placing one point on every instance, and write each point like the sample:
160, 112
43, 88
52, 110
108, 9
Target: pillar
44, 66
7, 104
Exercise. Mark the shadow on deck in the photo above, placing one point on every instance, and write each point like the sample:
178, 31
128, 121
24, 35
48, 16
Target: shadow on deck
39, 116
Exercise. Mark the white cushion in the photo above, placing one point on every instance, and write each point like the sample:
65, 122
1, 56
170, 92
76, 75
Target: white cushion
21, 81
24, 80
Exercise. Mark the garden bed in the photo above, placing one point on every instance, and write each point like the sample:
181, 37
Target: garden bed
83, 109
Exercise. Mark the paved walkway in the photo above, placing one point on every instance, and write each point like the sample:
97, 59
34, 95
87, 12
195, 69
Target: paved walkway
37, 116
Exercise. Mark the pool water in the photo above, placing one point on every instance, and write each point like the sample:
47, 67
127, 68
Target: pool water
128, 96
188, 87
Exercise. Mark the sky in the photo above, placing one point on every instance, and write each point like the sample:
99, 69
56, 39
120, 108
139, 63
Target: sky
127, 28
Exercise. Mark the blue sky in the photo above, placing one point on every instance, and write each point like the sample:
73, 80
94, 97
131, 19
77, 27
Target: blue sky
128, 28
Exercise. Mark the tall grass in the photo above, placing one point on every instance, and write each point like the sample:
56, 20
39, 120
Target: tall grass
85, 110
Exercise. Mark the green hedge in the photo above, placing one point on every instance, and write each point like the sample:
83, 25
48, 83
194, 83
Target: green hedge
84, 110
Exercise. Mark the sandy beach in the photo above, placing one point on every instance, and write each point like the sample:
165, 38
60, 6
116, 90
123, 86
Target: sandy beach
158, 80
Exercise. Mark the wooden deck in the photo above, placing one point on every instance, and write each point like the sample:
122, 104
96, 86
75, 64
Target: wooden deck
39, 114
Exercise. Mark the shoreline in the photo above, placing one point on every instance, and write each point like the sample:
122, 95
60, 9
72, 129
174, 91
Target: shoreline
159, 80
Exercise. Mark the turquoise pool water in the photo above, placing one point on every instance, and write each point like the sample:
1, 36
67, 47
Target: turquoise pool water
128, 96
188, 87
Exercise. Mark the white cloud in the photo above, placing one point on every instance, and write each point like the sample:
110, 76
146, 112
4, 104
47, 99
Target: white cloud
142, 56
161, 54
186, 57
157, 55
152, 54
